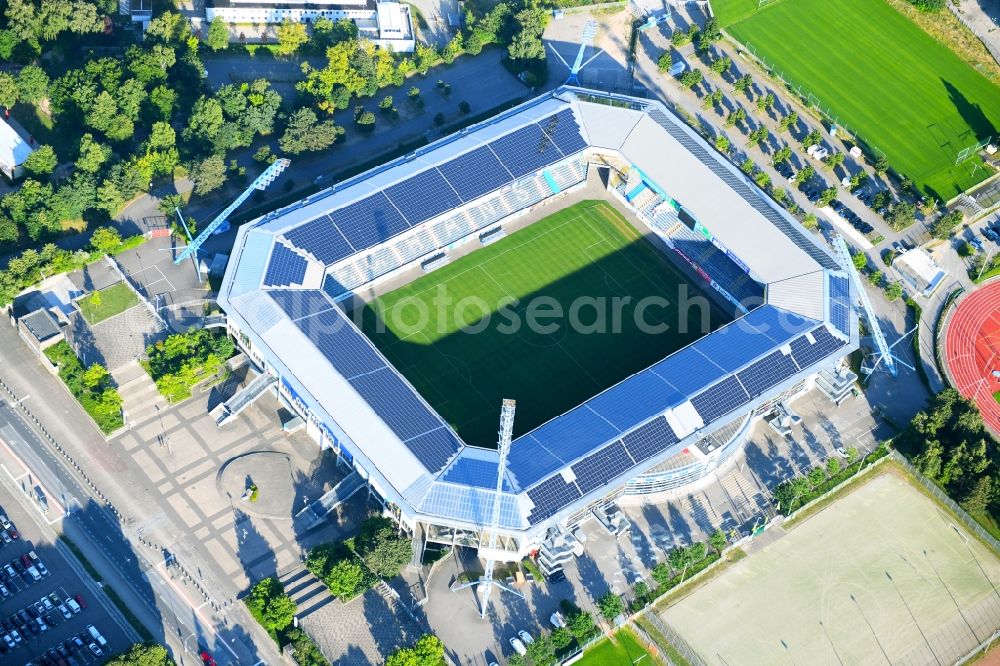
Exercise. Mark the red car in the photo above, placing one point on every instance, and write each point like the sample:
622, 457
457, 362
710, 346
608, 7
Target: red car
207, 659
12, 533
79, 600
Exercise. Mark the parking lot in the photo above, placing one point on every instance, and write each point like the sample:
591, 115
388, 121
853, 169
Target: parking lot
46, 606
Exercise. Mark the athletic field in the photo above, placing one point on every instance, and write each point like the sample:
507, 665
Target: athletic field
469, 353
883, 76
879, 576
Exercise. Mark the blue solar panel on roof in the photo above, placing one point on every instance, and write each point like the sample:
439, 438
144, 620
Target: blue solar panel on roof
370, 221
734, 346
646, 441
807, 354
394, 401
598, 468
423, 196
321, 239
574, 434
296, 303
767, 373
529, 461
549, 497
475, 173
720, 399
688, 371
435, 448
840, 316
526, 150
475, 472
778, 324
840, 289
563, 129
285, 267
348, 351
635, 399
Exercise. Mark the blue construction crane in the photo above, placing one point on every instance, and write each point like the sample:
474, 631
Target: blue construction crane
216, 225
586, 39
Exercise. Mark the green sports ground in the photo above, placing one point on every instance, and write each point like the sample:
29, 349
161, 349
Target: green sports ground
467, 354
882, 76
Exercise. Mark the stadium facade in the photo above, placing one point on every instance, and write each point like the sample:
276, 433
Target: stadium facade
662, 428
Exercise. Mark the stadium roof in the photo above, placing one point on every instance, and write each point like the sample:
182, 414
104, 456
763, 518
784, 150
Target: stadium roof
283, 281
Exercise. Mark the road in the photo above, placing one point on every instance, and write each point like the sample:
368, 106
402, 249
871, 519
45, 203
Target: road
144, 578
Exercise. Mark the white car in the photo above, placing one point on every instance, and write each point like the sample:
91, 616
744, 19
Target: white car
518, 647
4, 521
65, 611
557, 620
526, 637
73, 606
841, 451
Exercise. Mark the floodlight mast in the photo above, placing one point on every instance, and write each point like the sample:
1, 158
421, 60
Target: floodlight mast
503, 447
884, 351
586, 39
261, 182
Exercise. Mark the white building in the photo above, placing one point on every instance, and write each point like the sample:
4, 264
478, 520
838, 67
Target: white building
386, 23
14, 150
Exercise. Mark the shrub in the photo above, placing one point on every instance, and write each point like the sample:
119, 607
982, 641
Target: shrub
178, 363
270, 606
610, 605
92, 387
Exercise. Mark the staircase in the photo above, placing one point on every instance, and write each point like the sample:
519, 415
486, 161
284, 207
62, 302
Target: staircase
317, 511
141, 400
308, 592
231, 408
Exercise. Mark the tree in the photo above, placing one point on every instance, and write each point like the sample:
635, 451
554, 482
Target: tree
805, 174
942, 227
439, 119
832, 465
150, 64
105, 116
881, 164
788, 121
142, 654
8, 90
204, 123
743, 84
834, 160
105, 240
610, 605
827, 196
42, 161
291, 36
345, 578
424, 57
581, 625
894, 291
383, 551
901, 214
665, 61
270, 606
721, 65
860, 260
928, 5
366, 119
32, 84
92, 156
747, 166
306, 133
812, 139
718, 540
810, 221
858, 179
758, 135
710, 32
464, 107
96, 375
541, 652
690, 78
765, 102
852, 455
218, 34
979, 496
561, 637
161, 102
722, 143
736, 116
427, 651
208, 174
876, 277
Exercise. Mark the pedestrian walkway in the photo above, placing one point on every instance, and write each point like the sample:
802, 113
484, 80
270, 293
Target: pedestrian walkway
141, 400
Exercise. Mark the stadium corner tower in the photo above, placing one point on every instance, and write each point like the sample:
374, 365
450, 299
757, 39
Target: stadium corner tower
665, 427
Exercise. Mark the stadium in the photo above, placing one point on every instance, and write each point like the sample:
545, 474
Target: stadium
571, 194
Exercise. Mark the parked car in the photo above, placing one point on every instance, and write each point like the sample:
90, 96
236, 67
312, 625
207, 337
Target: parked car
557, 620
556, 576
525, 637
518, 646
73, 604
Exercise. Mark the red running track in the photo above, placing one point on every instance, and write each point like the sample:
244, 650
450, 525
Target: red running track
972, 350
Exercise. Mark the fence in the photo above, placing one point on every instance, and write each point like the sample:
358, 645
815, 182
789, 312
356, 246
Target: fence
135, 288
968, 521
676, 640
809, 99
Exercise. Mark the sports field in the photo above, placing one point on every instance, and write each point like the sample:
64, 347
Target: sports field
880, 576
497, 336
883, 76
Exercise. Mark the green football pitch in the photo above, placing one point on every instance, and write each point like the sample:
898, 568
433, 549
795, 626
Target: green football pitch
486, 326
881, 76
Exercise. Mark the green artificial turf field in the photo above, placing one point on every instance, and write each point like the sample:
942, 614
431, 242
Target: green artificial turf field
882, 76
623, 650
587, 251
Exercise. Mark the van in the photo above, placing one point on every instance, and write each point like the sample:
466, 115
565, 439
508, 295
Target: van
96, 635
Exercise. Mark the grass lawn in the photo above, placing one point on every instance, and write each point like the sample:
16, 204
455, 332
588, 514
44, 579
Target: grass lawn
882, 571
113, 300
479, 348
624, 649
882, 76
